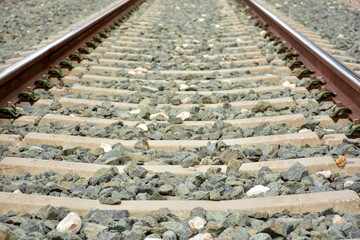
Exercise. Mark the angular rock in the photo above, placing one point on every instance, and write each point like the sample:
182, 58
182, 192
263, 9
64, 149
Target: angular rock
71, 223
133, 235
62, 235
295, 172
183, 115
261, 236
143, 127
175, 120
106, 174
257, 190
114, 199
91, 230
142, 145
324, 174
176, 227
338, 220
104, 146
341, 161
138, 171
233, 166
348, 183
106, 217
169, 235
116, 156
262, 106
197, 223
202, 236
161, 116
47, 213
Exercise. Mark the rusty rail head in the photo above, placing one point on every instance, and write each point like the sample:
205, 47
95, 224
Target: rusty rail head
24, 73
340, 80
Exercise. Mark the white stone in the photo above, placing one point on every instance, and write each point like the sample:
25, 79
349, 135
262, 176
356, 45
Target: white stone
185, 45
179, 49
287, 84
202, 236
201, 20
140, 70
72, 115
143, 127
162, 116
348, 183
211, 45
197, 223
131, 72
184, 115
341, 36
106, 147
17, 191
245, 111
217, 26
203, 15
263, 33
135, 112
186, 100
329, 130
338, 219
177, 8
239, 40
183, 87
324, 174
304, 130
36, 148
196, 41
257, 190
71, 223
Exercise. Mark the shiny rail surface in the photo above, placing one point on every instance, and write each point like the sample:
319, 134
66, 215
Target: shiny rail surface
22, 74
340, 79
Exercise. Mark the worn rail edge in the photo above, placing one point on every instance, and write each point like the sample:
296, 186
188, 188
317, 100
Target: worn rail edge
339, 79
22, 74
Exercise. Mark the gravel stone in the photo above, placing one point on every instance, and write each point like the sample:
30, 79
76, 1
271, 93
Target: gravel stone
335, 21
106, 217
169, 235
176, 227
92, 230
27, 23
133, 234
295, 172
47, 213
261, 236
138, 171
71, 223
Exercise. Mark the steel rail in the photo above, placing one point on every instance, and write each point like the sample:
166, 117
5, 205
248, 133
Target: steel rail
339, 79
24, 73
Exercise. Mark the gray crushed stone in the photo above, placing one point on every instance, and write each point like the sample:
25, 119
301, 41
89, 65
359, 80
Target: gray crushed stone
334, 21
163, 224
26, 23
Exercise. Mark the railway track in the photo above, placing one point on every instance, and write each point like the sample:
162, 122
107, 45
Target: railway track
180, 122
